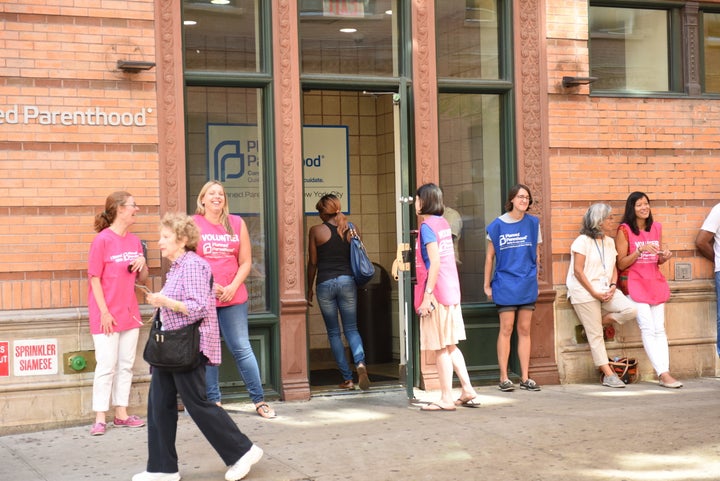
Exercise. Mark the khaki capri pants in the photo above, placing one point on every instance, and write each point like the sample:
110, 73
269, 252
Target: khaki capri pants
620, 308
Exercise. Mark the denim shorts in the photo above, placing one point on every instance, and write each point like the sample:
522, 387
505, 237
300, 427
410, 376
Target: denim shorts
528, 307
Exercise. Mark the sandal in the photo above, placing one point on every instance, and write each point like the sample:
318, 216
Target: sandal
467, 403
265, 411
347, 384
435, 407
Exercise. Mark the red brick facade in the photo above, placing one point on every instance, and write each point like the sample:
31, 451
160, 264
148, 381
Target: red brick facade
573, 149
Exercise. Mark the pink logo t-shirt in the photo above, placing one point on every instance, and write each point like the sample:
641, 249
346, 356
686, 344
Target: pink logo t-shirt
110, 255
221, 250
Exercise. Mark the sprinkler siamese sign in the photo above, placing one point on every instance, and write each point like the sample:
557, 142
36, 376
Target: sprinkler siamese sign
235, 159
35, 357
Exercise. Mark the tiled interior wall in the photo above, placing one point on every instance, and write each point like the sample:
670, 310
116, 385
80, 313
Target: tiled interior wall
372, 180
372, 167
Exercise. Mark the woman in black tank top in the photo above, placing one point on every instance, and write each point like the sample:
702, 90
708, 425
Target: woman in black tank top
329, 259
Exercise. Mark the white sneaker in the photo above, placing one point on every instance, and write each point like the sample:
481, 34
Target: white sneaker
242, 467
146, 476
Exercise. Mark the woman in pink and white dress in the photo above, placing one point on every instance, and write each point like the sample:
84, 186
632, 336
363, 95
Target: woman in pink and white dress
640, 253
437, 300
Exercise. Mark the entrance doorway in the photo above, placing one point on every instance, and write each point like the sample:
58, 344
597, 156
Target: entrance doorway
368, 198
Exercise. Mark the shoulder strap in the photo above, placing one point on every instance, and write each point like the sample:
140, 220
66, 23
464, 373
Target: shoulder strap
352, 232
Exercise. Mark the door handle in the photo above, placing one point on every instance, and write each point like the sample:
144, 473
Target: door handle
402, 260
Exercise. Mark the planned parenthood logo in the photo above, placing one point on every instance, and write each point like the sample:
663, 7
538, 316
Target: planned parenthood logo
234, 158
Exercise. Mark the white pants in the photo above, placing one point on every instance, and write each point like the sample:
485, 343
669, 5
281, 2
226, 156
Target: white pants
651, 320
115, 356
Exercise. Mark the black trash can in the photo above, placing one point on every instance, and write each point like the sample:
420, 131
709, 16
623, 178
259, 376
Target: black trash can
375, 317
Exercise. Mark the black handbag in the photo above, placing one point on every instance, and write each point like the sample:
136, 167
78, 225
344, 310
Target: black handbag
177, 350
362, 267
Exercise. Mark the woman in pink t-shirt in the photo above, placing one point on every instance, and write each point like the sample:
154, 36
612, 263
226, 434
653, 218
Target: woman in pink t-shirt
640, 253
225, 245
115, 263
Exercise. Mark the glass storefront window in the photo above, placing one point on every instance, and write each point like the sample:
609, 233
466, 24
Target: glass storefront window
221, 35
348, 37
224, 142
629, 49
711, 51
467, 39
470, 165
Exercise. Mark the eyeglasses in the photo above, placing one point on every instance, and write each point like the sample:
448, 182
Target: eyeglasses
522, 197
133, 205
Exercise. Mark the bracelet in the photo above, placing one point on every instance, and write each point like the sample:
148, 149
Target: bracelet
612, 285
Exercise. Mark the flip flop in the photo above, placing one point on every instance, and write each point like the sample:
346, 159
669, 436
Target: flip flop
435, 407
467, 403
265, 411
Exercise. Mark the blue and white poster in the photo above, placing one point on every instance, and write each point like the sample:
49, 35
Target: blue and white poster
235, 159
326, 165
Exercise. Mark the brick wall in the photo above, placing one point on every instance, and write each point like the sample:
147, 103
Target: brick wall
603, 148
61, 56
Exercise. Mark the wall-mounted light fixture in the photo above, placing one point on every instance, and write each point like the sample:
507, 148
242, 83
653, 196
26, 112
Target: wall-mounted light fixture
133, 66
575, 81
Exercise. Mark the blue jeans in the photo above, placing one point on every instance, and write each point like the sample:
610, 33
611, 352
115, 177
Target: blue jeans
233, 322
717, 294
341, 294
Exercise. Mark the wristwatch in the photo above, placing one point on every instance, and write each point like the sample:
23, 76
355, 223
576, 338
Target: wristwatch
428, 291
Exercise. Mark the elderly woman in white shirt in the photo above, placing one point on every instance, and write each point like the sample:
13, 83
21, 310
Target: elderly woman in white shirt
592, 286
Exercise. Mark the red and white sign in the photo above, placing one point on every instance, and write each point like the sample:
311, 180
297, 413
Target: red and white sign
4, 355
35, 357
343, 8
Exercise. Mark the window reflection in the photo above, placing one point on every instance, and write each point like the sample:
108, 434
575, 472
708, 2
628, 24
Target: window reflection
348, 37
629, 49
469, 133
711, 43
467, 39
224, 143
221, 35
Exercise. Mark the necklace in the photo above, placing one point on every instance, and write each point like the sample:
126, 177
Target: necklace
601, 254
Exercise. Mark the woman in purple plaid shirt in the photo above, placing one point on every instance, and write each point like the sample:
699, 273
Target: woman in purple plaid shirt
187, 298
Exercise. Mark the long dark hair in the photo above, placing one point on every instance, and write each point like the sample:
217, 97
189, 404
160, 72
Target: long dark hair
630, 218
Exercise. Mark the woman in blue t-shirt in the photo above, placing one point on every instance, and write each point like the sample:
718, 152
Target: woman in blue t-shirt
513, 245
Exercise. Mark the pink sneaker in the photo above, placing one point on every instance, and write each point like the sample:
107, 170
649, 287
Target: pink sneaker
130, 422
97, 429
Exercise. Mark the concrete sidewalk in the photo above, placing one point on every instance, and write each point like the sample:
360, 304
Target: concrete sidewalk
572, 432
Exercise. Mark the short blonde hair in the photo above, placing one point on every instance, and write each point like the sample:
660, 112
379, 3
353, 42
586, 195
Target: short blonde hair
184, 227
